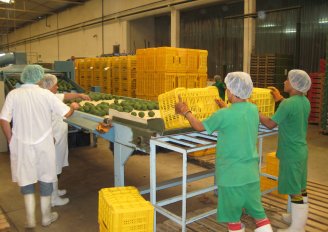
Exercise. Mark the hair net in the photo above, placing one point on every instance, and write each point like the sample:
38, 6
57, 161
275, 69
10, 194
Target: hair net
32, 74
217, 78
240, 84
299, 80
48, 81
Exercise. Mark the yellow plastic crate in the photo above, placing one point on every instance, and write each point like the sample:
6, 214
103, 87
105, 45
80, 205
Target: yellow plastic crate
207, 151
192, 61
181, 60
200, 101
140, 59
150, 60
264, 101
272, 168
202, 80
124, 209
166, 59
202, 61
272, 164
187, 80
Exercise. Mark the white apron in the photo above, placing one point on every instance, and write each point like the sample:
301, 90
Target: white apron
31, 163
32, 149
60, 131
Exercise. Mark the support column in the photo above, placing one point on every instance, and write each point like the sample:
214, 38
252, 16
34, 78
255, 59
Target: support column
175, 28
249, 33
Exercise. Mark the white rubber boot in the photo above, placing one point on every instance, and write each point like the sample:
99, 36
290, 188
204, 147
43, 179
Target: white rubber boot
29, 200
61, 192
286, 217
299, 217
48, 217
56, 200
265, 228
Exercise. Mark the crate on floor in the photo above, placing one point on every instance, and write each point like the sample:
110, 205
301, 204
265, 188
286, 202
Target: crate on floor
78, 139
124, 209
271, 168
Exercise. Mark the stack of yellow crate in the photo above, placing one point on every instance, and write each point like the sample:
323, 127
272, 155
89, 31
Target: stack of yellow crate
271, 168
115, 75
124, 209
107, 76
164, 68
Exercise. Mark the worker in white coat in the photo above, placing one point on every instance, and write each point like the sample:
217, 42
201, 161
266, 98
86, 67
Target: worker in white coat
32, 149
60, 131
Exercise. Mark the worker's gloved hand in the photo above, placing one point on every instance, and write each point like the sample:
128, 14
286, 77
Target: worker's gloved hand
220, 103
85, 97
75, 105
276, 94
181, 107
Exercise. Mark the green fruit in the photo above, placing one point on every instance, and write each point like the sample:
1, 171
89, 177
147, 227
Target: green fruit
151, 113
141, 114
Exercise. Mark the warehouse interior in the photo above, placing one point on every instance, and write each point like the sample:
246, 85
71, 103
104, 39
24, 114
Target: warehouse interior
131, 49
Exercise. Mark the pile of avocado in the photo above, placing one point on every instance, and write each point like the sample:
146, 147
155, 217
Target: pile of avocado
128, 105
64, 86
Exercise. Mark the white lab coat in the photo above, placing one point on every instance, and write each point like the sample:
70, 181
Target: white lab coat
60, 131
32, 150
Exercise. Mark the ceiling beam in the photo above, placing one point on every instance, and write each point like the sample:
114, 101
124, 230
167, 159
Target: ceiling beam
13, 19
26, 11
66, 1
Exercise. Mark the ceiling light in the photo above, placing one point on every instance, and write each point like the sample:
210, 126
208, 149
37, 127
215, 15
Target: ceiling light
268, 25
290, 30
7, 1
323, 20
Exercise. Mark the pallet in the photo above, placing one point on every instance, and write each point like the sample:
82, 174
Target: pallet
4, 225
274, 207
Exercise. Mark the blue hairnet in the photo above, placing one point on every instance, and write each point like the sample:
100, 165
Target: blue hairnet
299, 80
32, 74
240, 84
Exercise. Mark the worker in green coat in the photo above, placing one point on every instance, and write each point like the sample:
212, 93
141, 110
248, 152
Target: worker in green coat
237, 170
220, 85
292, 118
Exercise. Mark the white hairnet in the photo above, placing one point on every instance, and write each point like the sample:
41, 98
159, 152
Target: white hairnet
299, 80
240, 84
48, 81
32, 74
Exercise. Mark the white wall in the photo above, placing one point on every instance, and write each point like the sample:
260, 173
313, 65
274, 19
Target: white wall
78, 31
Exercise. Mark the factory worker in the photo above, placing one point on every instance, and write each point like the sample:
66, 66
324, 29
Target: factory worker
60, 131
32, 149
237, 171
292, 118
219, 84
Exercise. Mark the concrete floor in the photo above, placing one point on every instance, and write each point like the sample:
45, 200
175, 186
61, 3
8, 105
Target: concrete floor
92, 169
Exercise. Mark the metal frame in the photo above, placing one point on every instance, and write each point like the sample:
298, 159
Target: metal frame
184, 144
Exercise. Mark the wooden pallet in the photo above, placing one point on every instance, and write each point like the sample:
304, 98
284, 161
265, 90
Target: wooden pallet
4, 225
274, 207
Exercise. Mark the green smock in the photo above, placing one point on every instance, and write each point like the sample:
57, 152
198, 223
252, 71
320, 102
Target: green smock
292, 118
236, 152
